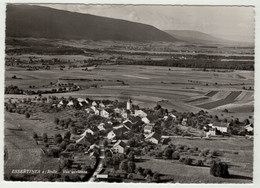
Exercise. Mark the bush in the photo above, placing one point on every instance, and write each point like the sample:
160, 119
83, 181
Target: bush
27, 115
219, 169
188, 161
44, 137
199, 163
176, 155
35, 136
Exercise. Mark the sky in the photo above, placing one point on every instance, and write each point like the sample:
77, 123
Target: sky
227, 22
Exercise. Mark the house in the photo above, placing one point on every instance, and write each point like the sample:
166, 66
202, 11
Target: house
101, 127
87, 131
70, 103
128, 123
117, 132
94, 103
106, 113
220, 126
96, 112
118, 111
93, 108
184, 121
148, 129
140, 113
88, 110
111, 135
119, 147
153, 137
173, 116
87, 140
212, 131
135, 119
249, 128
145, 120
101, 105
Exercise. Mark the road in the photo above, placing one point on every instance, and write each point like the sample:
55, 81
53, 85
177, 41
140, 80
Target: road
100, 164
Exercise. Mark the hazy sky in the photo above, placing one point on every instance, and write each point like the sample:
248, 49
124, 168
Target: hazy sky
234, 23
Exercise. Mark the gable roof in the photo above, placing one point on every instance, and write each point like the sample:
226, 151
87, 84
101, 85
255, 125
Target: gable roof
154, 135
120, 143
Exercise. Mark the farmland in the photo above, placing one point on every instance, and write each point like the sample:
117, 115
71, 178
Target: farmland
183, 88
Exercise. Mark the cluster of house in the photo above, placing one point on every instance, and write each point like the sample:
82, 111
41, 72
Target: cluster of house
218, 127
127, 119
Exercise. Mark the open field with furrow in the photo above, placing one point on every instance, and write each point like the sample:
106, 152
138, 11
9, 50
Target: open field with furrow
229, 99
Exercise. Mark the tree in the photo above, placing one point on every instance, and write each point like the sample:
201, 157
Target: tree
147, 171
35, 136
168, 153
56, 121
44, 137
176, 155
139, 170
124, 165
131, 156
219, 169
67, 135
27, 115
188, 161
105, 143
156, 177
131, 166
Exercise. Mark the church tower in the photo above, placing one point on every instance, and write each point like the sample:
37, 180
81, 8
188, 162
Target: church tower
129, 104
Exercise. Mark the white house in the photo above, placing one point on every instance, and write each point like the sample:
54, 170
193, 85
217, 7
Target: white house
153, 137
87, 131
111, 135
93, 108
94, 103
140, 113
145, 120
173, 116
220, 126
96, 112
101, 105
88, 110
101, 127
117, 110
249, 128
148, 129
119, 147
184, 121
70, 103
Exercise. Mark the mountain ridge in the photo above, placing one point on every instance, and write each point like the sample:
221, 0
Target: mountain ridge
61, 24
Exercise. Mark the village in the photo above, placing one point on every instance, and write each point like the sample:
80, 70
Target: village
105, 140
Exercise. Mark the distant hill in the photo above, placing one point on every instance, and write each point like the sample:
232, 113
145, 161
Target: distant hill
43, 22
194, 36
